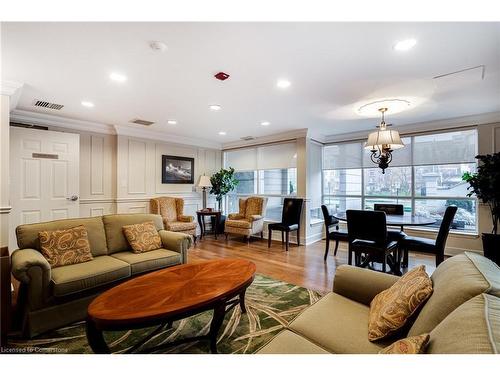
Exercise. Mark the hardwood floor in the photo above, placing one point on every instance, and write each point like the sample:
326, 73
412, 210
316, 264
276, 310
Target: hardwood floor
302, 265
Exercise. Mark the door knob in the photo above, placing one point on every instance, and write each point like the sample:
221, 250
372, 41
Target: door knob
73, 198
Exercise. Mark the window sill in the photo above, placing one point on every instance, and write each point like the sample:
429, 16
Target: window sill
453, 233
316, 222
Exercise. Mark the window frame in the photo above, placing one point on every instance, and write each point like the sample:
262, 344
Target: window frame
413, 197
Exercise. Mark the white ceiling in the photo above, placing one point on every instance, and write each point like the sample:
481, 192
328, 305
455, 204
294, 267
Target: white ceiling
333, 67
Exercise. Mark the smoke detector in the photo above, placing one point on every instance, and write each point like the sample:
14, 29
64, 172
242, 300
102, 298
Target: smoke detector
158, 46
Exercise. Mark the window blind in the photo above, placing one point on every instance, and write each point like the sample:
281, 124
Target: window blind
278, 156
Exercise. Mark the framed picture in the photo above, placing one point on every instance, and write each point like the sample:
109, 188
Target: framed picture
177, 170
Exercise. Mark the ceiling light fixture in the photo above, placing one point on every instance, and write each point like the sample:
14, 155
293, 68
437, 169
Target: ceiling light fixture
214, 107
172, 122
265, 123
158, 46
117, 77
283, 83
382, 142
87, 104
222, 133
405, 45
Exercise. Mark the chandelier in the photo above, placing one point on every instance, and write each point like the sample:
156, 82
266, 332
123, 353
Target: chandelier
382, 142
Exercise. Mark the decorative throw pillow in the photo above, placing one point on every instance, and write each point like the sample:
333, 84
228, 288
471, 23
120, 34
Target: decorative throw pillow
66, 246
408, 345
391, 309
142, 237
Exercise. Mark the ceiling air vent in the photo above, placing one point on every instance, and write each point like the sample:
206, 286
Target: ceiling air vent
141, 122
247, 138
48, 105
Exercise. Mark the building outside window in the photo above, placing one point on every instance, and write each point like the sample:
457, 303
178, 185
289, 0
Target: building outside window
425, 177
268, 171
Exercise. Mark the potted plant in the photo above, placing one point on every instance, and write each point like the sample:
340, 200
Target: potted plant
485, 184
222, 182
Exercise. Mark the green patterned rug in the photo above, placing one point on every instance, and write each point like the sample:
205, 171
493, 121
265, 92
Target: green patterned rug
271, 305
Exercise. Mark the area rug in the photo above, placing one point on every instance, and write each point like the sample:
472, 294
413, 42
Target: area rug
271, 306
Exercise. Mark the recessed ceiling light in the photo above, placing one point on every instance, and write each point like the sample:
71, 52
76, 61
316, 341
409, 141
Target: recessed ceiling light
158, 46
405, 45
172, 122
117, 77
283, 83
265, 123
214, 107
87, 104
222, 133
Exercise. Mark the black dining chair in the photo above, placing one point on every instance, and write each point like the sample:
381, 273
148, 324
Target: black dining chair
368, 240
392, 209
427, 245
333, 233
290, 221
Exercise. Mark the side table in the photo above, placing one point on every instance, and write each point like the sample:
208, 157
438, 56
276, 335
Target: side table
201, 220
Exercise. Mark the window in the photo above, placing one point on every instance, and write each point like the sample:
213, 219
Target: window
425, 177
268, 171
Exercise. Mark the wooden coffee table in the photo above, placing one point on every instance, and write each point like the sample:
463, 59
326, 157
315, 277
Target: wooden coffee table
167, 295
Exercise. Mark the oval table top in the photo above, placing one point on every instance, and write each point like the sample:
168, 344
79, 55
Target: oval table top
397, 220
171, 291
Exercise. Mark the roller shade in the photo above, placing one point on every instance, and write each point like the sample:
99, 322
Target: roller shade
343, 156
241, 160
281, 156
445, 148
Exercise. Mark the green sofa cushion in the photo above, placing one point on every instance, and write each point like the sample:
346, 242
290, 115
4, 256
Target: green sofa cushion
79, 277
27, 234
113, 225
150, 260
473, 328
339, 325
455, 281
287, 342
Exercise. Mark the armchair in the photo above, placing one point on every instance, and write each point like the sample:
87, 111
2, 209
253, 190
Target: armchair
172, 211
250, 218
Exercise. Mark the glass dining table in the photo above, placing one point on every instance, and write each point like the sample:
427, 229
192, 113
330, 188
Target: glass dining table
401, 221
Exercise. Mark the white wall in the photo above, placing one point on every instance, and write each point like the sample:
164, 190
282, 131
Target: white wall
139, 173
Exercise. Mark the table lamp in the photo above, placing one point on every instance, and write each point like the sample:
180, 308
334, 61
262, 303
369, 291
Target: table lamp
204, 183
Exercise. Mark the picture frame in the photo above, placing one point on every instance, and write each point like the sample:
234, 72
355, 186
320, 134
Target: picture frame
177, 170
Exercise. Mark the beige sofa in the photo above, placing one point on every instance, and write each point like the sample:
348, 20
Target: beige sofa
461, 316
54, 297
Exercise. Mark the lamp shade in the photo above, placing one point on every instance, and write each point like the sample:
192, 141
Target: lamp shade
204, 182
390, 138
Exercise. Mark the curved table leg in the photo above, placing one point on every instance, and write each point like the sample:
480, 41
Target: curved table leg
242, 302
218, 318
200, 222
96, 339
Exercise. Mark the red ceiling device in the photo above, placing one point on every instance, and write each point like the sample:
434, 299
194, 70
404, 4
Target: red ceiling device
221, 76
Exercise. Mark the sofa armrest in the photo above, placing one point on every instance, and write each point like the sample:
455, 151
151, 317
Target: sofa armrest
176, 241
257, 217
235, 216
185, 218
360, 284
31, 268
24, 259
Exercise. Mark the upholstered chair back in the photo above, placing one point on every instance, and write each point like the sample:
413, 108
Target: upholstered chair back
167, 207
255, 206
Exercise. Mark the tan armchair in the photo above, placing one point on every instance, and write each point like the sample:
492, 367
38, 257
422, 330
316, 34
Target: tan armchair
250, 218
172, 211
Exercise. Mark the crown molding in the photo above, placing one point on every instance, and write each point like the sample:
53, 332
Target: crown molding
156, 135
37, 118
278, 137
450, 123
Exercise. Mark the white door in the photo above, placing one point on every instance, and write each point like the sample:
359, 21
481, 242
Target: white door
44, 177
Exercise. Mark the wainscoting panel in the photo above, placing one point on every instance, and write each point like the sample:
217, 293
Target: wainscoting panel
137, 167
97, 165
